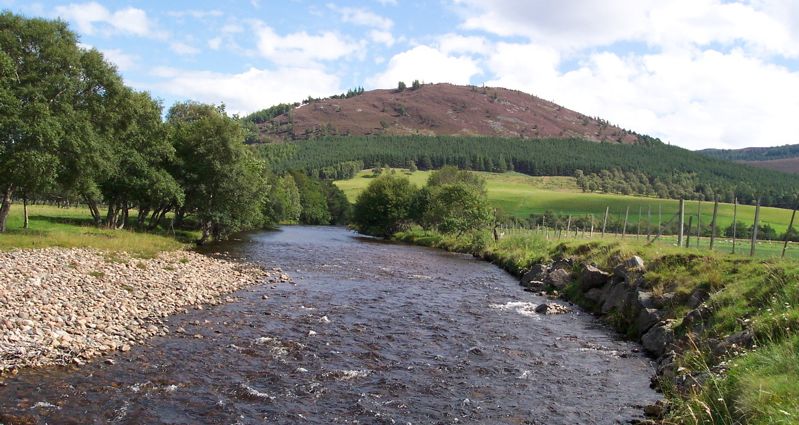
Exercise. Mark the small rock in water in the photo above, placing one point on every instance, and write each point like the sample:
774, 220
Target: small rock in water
311, 333
324, 319
109, 361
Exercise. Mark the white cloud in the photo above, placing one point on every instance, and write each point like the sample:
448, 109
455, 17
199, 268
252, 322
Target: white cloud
382, 37
388, 2
122, 60
769, 26
695, 99
183, 49
426, 64
250, 90
301, 47
215, 43
91, 17
196, 13
456, 43
362, 17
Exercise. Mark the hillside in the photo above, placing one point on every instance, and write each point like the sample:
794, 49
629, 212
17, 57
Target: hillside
779, 158
443, 110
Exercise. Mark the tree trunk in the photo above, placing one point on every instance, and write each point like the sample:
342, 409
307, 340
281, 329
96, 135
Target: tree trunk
110, 216
5, 207
25, 223
142, 217
206, 232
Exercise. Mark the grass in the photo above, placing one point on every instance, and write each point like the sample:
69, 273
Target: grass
760, 385
72, 228
520, 195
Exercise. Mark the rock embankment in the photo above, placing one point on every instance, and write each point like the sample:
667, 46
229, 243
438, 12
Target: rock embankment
60, 306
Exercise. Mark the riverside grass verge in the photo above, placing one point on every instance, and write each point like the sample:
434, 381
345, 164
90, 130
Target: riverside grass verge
754, 385
52, 226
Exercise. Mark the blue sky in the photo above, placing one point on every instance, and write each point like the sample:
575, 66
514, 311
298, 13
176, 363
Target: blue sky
696, 73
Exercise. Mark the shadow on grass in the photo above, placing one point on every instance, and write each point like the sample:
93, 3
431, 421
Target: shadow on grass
75, 221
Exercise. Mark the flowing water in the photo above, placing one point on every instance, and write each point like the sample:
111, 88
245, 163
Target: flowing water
371, 333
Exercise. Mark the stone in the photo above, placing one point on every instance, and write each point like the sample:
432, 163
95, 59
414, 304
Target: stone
630, 269
592, 277
537, 273
595, 295
659, 338
558, 279
647, 318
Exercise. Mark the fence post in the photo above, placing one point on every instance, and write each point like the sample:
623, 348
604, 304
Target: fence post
605, 222
624, 229
688, 237
734, 222
787, 232
568, 224
754, 229
648, 222
698, 223
713, 223
682, 222
591, 236
638, 229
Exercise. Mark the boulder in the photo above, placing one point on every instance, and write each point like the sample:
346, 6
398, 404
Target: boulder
734, 343
647, 318
563, 263
558, 279
537, 273
659, 338
595, 295
618, 296
696, 318
630, 269
592, 277
697, 298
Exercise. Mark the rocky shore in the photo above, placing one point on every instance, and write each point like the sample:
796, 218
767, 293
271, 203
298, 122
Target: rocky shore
61, 306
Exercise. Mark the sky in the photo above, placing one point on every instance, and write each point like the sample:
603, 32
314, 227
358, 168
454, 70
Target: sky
695, 73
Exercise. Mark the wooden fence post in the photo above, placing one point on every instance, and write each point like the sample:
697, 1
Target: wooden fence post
754, 229
649, 222
591, 236
698, 223
713, 223
787, 232
734, 222
605, 222
682, 222
638, 230
624, 229
688, 238
569, 224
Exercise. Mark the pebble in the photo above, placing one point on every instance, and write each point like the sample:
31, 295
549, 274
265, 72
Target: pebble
60, 306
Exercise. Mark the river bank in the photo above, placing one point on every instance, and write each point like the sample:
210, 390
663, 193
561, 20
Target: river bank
60, 306
722, 328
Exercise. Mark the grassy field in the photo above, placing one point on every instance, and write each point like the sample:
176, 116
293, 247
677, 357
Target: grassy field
71, 227
520, 195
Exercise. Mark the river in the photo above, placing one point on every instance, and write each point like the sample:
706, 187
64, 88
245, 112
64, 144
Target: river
370, 333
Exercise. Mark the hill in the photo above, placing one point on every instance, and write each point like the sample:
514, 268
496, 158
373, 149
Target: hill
436, 109
779, 158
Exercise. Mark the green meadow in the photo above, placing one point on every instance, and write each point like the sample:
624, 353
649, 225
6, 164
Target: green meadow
72, 228
520, 195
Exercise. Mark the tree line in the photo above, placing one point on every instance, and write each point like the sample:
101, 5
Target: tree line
71, 129
650, 162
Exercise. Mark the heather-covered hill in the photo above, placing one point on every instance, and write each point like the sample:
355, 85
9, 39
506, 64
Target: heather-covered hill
439, 110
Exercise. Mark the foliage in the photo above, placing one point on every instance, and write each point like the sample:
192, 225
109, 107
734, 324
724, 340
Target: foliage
384, 207
283, 203
456, 208
313, 200
223, 182
753, 154
544, 157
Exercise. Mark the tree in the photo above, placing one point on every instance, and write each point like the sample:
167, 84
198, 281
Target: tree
224, 184
313, 200
337, 204
457, 208
415, 85
452, 175
401, 86
383, 208
283, 203
40, 86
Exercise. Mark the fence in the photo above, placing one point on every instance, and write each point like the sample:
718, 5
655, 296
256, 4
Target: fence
683, 228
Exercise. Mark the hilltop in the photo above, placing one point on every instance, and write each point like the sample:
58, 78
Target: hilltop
439, 110
779, 158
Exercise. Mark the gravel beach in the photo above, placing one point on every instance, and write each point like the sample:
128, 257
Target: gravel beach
60, 306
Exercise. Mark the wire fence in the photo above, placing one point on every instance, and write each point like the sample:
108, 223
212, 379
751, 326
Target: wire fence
683, 229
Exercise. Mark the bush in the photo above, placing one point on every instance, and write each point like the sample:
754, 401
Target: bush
383, 208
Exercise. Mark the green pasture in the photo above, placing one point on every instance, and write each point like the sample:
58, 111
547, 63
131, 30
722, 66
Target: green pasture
520, 195
72, 227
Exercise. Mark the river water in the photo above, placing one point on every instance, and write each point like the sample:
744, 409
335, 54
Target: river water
371, 333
